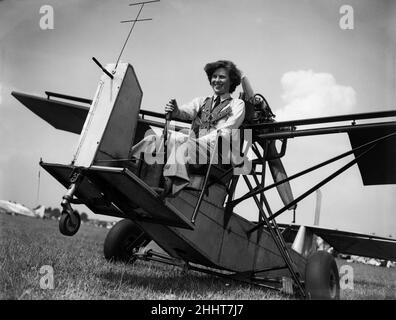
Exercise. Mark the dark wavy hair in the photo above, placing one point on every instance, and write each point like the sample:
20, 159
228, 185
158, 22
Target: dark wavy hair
233, 72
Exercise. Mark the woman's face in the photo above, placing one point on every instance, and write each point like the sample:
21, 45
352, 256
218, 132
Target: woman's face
220, 81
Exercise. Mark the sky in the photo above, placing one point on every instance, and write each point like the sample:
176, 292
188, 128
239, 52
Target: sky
294, 52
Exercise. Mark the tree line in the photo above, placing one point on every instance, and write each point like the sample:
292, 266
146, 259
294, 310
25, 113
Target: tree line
56, 213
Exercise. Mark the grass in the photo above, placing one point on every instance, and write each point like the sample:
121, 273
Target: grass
370, 282
81, 272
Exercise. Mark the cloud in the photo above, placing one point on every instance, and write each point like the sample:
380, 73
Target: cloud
1, 93
308, 94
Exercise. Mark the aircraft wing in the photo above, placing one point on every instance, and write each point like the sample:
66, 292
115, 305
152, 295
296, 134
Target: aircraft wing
350, 242
61, 115
71, 116
379, 166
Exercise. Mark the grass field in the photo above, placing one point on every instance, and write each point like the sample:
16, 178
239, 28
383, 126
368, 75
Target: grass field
81, 272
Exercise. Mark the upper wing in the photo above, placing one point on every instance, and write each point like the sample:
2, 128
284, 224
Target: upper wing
62, 115
378, 166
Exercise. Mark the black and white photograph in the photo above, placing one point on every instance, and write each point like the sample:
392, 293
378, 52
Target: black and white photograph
202, 155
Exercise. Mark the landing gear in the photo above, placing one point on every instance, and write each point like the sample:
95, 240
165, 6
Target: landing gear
70, 220
123, 240
322, 281
69, 223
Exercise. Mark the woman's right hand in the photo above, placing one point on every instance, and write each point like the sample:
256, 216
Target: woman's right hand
172, 107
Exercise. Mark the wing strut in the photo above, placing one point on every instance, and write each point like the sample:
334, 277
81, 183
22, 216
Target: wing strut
371, 145
276, 235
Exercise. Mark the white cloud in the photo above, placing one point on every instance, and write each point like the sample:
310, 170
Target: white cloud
308, 94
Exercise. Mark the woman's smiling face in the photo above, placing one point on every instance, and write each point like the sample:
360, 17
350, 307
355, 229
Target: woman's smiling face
220, 81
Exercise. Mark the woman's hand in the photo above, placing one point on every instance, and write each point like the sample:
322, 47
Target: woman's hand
172, 107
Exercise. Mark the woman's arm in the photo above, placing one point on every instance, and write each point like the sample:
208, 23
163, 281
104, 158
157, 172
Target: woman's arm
186, 111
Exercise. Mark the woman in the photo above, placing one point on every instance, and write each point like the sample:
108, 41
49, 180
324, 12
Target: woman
219, 114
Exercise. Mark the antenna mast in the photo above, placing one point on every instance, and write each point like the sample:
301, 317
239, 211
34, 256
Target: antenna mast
133, 25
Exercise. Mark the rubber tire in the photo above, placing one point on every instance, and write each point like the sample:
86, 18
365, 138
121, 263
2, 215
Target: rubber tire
322, 280
65, 224
117, 245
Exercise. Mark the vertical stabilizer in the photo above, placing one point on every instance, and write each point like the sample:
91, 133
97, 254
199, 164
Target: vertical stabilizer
110, 126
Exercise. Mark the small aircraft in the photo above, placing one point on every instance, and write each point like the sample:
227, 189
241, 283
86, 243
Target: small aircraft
19, 209
198, 229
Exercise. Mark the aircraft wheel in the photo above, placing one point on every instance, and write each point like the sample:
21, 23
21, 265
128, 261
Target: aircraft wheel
123, 240
68, 224
322, 281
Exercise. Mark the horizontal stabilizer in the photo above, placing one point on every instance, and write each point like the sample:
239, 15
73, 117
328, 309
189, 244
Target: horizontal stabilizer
61, 115
127, 190
86, 191
118, 192
378, 166
71, 117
